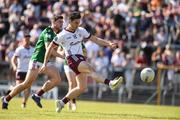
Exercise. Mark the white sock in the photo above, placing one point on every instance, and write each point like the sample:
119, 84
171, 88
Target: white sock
37, 95
5, 100
62, 103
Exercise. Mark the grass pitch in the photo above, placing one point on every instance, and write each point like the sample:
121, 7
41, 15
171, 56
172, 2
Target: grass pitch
88, 110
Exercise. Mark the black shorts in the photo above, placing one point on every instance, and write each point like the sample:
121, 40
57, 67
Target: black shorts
21, 75
74, 61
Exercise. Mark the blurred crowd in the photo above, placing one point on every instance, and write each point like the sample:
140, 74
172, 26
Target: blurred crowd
147, 31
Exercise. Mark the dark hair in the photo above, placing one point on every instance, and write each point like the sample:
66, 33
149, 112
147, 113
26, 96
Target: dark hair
27, 35
74, 15
56, 17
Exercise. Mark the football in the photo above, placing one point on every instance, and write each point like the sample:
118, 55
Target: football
147, 75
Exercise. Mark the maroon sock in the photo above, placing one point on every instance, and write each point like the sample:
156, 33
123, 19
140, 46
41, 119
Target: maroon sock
74, 100
40, 92
8, 98
65, 100
106, 81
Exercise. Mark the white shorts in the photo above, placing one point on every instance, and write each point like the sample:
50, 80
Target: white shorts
67, 69
37, 65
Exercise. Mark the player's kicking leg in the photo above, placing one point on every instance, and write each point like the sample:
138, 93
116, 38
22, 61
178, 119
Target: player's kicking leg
113, 84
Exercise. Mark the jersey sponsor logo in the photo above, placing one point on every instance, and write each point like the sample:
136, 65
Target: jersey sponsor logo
68, 38
74, 43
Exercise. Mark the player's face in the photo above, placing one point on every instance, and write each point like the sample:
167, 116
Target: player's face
27, 40
75, 23
58, 24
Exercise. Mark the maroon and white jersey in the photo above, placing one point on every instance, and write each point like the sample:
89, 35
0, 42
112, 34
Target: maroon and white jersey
23, 57
72, 41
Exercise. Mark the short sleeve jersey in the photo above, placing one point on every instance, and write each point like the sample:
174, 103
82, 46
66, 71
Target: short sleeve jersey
47, 35
72, 41
23, 56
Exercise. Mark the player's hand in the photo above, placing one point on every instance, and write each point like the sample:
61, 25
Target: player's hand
113, 45
43, 67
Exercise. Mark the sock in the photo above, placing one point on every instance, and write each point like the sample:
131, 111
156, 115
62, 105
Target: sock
7, 98
24, 103
65, 100
106, 81
73, 100
40, 92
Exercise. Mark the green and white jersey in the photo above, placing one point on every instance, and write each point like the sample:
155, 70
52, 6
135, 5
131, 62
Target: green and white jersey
47, 35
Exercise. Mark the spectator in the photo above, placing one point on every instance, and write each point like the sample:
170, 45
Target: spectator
156, 56
16, 7
118, 62
168, 59
92, 50
35, 32
141, 60
101, 66
129, 74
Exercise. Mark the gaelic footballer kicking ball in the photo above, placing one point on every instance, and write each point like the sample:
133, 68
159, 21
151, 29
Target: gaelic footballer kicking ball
147, 75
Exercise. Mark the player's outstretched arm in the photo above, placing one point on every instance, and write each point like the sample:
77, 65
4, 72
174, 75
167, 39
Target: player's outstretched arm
102, 42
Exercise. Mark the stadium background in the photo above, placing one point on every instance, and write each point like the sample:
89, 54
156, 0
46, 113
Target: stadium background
147, 32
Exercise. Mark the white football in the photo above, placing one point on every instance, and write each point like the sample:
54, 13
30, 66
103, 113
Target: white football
147, 75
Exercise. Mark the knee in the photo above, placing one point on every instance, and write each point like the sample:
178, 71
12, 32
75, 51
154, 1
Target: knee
26, 85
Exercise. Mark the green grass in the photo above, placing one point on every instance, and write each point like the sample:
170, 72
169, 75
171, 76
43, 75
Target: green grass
89, 111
